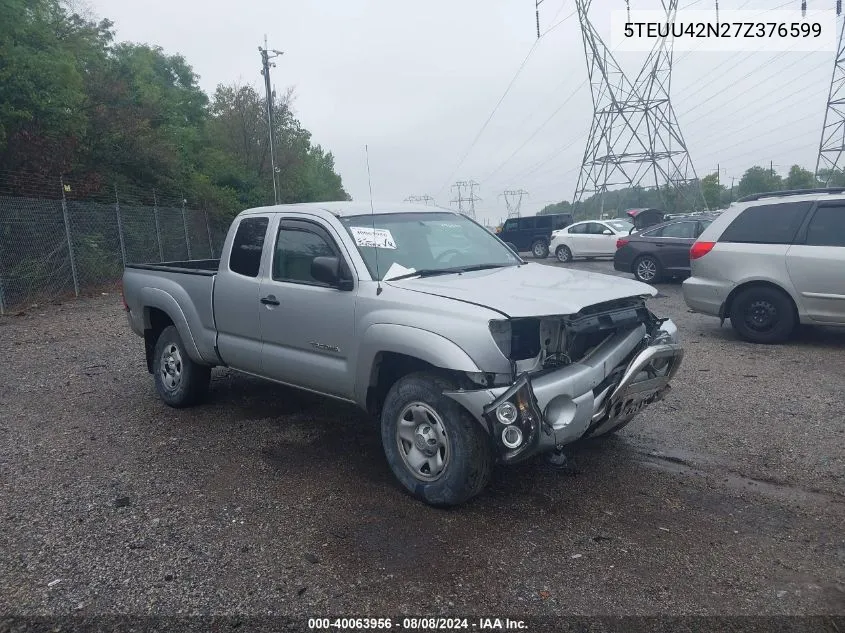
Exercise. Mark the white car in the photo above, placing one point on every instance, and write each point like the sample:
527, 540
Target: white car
591, 238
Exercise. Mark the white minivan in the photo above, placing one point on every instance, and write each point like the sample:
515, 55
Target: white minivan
772, 261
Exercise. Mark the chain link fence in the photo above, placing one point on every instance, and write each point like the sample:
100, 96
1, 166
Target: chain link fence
55, 247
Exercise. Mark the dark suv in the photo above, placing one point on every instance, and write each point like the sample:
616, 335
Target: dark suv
533, 233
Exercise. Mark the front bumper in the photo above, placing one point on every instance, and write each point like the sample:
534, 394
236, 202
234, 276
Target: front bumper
599, 393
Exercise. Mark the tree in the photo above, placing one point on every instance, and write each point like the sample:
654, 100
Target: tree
759, 180
74, 103
800, 178
712, 191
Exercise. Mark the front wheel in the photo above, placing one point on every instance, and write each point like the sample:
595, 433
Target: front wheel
563, 254
763, 315
540, 249
180, 382
433, 446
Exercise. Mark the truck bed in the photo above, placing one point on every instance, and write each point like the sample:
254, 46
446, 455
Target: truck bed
206, 267
184, 291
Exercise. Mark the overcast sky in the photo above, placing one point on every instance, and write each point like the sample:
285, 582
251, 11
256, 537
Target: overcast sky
417, 80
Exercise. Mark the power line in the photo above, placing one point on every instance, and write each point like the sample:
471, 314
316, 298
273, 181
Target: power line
499, 102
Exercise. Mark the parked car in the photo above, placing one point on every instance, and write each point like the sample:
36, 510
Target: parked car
644, 218
660, 251
533, 233
466, 354
591, 238
772, 261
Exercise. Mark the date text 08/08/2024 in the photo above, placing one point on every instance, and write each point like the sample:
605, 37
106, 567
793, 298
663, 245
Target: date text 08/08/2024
417, 624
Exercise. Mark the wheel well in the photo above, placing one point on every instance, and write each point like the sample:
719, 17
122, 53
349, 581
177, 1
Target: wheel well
158, 320
389, 367
726, 308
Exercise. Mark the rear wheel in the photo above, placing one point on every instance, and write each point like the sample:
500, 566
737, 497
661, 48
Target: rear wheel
763, 315
436, 450
540, 249
563, 254
647, 269
180, 382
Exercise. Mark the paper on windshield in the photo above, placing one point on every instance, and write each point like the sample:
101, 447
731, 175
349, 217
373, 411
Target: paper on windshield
372, 238
397, 270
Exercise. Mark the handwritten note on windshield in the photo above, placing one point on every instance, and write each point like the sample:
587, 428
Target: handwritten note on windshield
372, 238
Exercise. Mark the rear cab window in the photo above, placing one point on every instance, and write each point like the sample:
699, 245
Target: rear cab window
245, 258
767, 223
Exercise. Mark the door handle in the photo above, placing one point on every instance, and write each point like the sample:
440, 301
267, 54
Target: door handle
270, 300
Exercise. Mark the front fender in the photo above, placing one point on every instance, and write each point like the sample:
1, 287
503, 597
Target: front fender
164, 301
432, 348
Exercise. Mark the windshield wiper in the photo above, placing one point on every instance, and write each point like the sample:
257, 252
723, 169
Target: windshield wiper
432, 272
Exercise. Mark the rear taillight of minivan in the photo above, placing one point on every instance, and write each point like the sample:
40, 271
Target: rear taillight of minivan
621, 242
700, 249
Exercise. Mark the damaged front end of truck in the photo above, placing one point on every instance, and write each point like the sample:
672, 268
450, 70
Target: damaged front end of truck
572, 376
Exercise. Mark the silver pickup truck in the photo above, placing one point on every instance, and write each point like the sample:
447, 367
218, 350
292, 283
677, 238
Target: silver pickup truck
466, 354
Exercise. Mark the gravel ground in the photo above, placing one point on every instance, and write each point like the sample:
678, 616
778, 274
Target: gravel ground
727, 498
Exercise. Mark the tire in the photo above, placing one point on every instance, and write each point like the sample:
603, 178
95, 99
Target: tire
540, 249
563, 254
763, 314
462, 451
647, 269
180, 382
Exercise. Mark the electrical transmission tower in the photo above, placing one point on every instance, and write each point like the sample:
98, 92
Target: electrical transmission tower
832, 143
634, 139
426, 199
513, 201
466, 203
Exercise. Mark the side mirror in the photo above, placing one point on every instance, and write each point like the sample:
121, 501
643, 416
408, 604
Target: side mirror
328, 271
607, 232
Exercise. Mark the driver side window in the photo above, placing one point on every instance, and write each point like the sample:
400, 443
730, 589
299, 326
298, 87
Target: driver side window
295, 250
578, 229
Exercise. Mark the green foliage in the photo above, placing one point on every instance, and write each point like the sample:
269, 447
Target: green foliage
800, 178
74, 102
759, 180
712, 191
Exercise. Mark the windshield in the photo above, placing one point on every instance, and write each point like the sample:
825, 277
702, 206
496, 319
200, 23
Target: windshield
408, 242
620, 225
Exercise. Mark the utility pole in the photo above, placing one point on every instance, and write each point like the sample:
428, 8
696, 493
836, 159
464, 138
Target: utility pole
266, 56
832, 143
635, 136
513, 201
424, 199
461, 186
537, 4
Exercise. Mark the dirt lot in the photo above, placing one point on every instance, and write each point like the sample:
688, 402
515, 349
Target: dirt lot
727, 498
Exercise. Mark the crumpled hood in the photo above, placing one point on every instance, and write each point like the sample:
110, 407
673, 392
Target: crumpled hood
529, 290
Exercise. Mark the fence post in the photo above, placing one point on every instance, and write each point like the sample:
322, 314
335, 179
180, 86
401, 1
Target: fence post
69, 239
185, 226
210, 243
158, 231
119, 226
